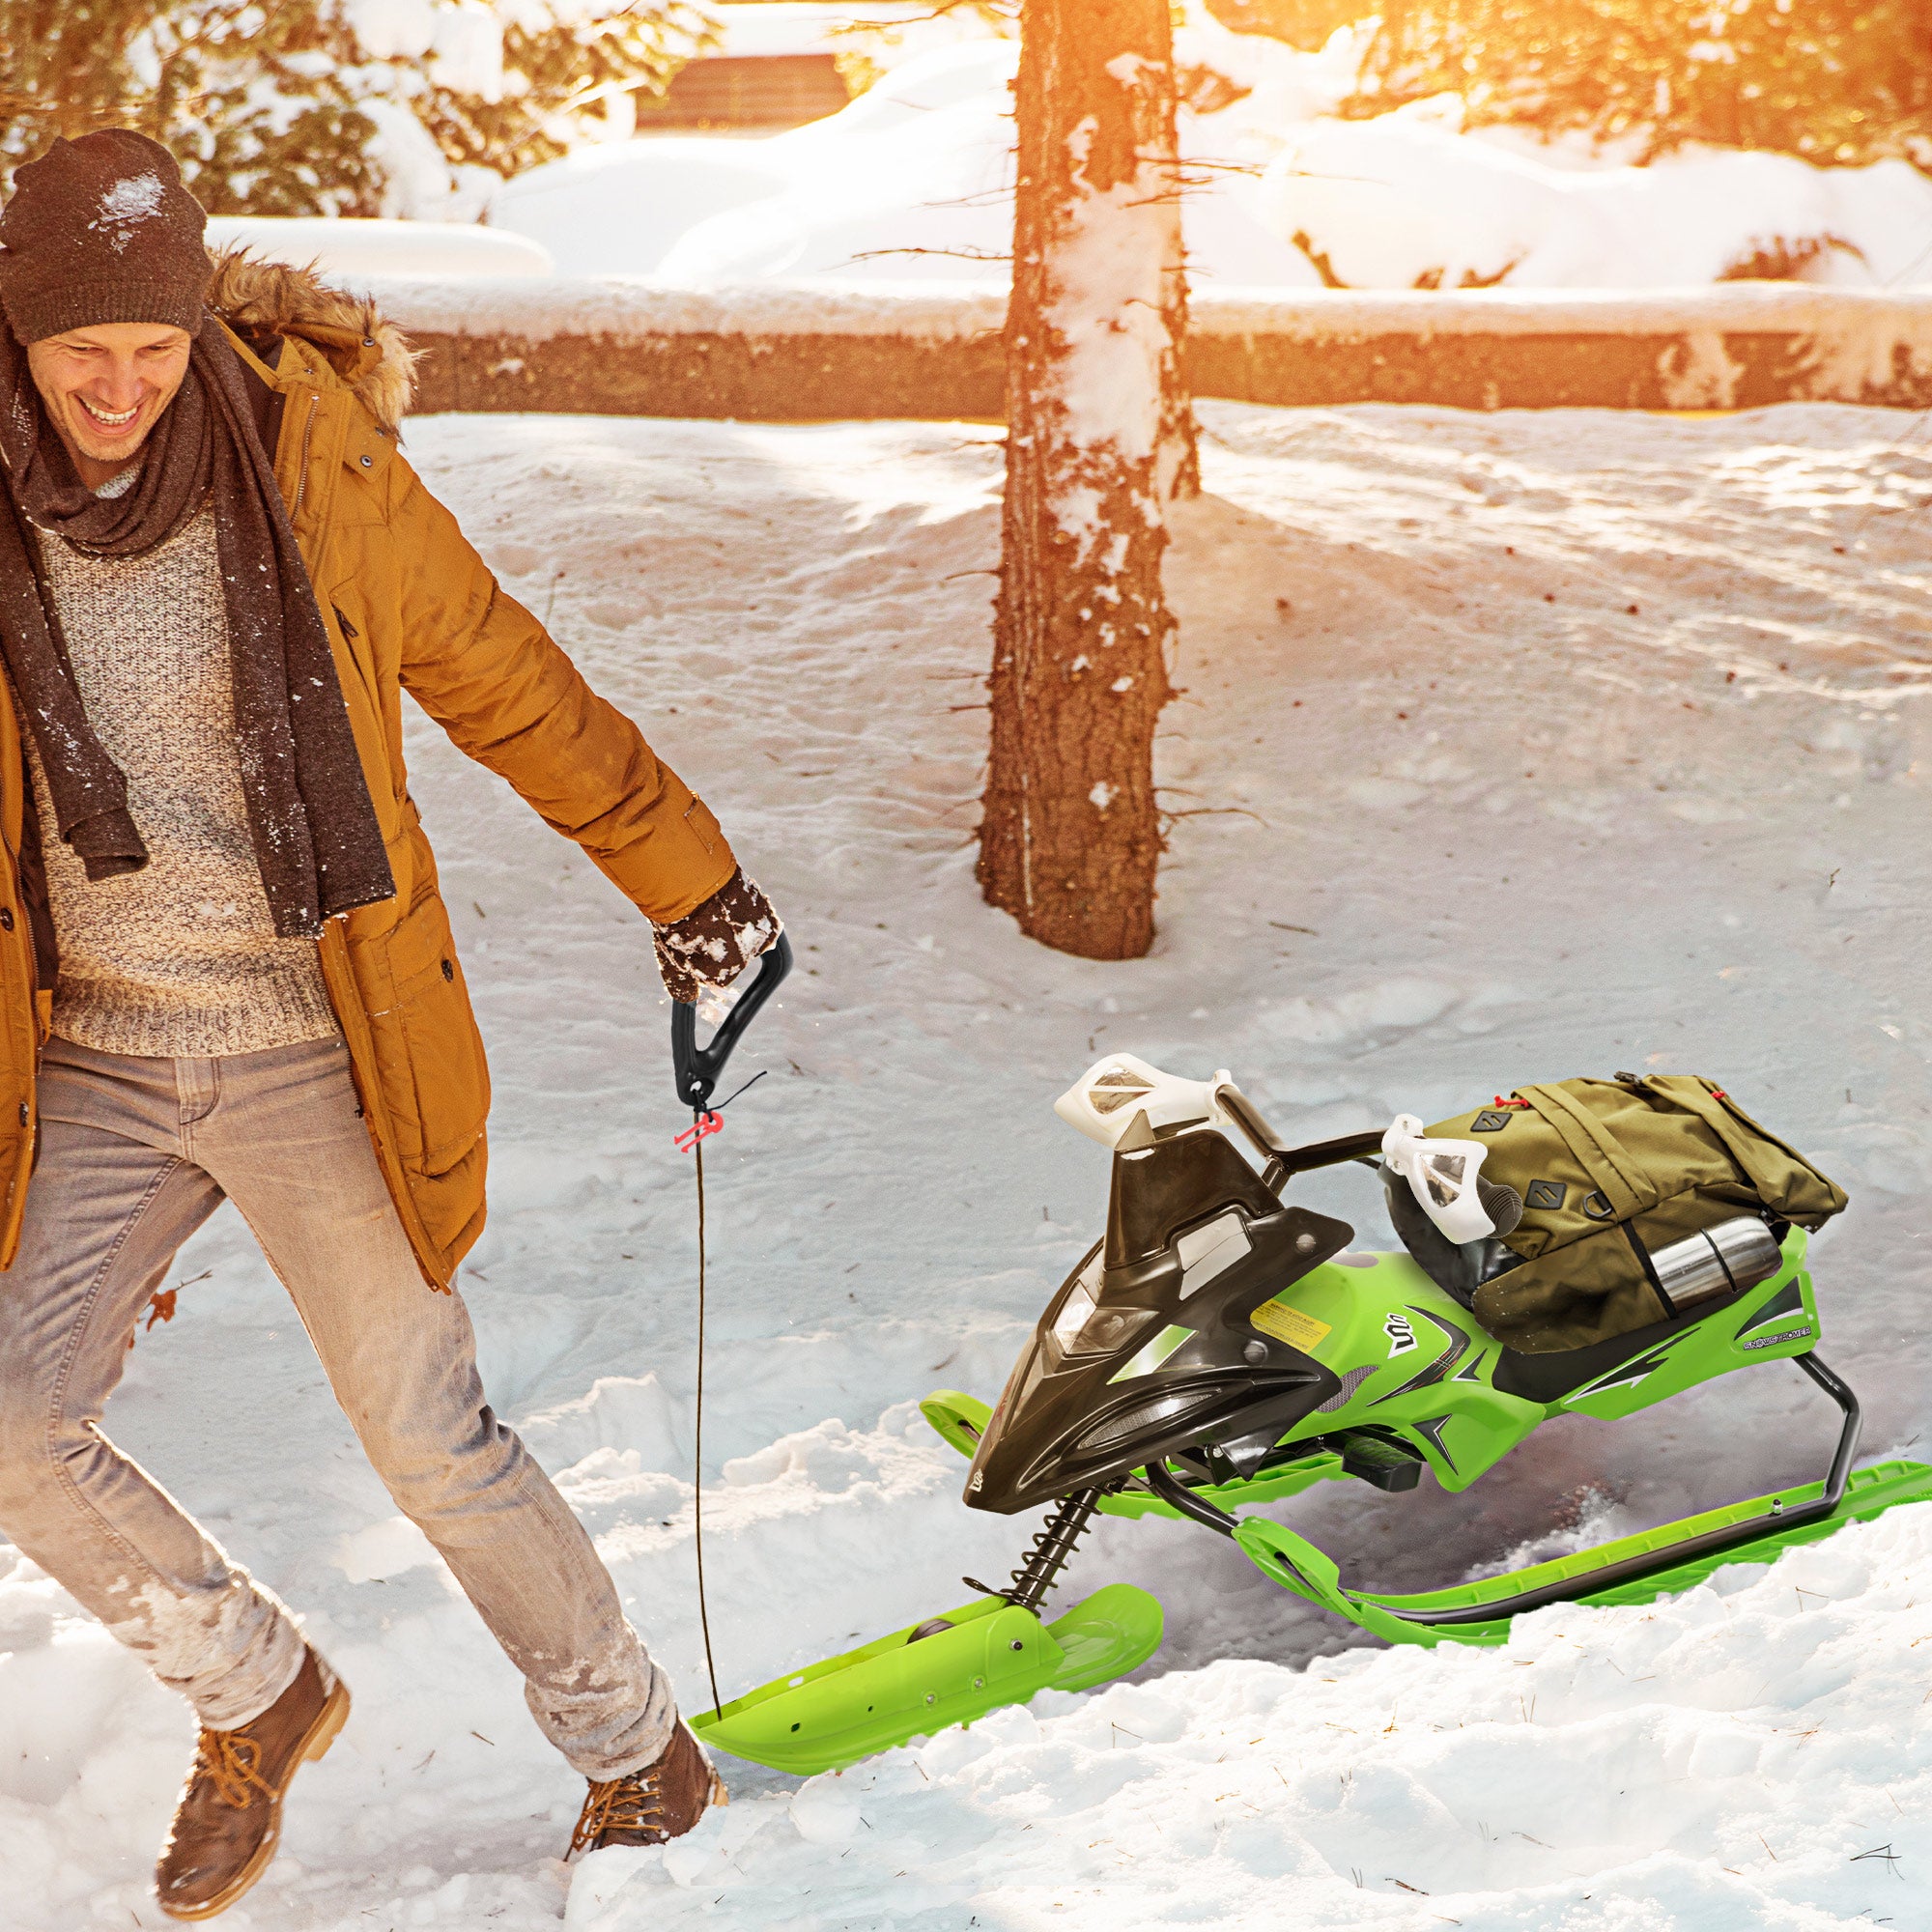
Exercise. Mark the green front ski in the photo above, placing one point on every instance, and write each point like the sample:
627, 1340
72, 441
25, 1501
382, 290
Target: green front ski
971, 1661
1297, 1565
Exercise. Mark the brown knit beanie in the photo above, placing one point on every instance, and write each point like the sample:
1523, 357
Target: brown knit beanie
102, 230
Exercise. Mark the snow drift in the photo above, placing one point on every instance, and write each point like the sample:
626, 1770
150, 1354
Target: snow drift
354, 250
914, 179
1602, 1772
1407, 201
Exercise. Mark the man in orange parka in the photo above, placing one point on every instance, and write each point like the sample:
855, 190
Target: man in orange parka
226, 971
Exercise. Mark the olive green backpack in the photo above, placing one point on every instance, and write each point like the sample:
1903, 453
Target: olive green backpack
1611, 1171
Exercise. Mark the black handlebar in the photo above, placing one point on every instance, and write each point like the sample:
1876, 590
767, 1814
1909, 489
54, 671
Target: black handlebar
1284, 1162
696, 1068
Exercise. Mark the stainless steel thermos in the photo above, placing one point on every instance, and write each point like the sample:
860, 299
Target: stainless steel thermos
1735, 1254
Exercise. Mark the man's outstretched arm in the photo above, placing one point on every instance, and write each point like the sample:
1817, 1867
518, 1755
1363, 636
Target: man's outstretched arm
489, 673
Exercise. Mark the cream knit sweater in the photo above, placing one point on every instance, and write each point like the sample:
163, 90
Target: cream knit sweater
179, 958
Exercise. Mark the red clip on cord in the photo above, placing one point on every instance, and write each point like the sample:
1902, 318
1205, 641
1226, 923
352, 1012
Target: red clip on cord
702, 1129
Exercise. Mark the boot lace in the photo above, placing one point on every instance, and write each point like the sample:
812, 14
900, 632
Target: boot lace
231, 1762
622, 1805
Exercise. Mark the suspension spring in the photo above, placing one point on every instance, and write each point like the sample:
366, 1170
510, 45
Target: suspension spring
1051, 1547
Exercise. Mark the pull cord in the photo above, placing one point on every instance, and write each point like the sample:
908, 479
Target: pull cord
697, 1434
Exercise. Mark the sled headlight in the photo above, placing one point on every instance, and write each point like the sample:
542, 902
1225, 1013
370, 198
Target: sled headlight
1083, 1327
1128, 1422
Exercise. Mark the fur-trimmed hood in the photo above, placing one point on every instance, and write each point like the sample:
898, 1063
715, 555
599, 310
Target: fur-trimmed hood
372, 356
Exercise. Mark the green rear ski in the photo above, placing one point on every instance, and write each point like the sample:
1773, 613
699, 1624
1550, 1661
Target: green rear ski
1394, 1378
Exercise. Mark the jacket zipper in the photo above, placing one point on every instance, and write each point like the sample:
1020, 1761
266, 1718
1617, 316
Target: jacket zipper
302, 476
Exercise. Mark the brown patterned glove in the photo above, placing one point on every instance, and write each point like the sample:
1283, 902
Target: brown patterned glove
713, 943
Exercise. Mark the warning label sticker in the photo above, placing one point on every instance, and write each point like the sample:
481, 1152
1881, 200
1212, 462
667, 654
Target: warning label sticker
1289, 1324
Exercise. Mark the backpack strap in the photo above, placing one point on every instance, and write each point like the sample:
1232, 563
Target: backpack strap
1789, 1186
1598, 1152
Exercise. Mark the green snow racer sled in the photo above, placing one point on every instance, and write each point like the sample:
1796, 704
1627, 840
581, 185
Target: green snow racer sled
1222, 1346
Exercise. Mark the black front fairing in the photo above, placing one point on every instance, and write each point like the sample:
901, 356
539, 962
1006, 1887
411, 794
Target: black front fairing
1167, 1360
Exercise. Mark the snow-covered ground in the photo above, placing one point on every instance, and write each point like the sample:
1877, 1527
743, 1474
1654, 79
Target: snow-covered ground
1512, 746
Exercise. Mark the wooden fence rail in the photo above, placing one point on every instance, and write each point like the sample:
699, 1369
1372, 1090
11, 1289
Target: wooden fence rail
777, 354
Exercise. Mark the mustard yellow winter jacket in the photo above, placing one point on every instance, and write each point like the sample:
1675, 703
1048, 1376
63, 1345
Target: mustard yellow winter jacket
410, 605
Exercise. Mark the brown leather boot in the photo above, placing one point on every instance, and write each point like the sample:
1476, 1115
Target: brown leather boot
229, 1819
653, 1805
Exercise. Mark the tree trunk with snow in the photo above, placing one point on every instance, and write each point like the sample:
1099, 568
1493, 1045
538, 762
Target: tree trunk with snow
1099, 439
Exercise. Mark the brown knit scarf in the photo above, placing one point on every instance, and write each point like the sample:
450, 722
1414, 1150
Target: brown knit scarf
316, 837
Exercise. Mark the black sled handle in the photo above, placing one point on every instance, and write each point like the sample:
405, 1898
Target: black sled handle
697, 1070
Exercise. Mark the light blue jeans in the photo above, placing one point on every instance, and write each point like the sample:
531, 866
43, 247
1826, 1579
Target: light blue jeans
135, 1155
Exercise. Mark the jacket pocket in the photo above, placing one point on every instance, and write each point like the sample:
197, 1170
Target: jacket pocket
448, 1076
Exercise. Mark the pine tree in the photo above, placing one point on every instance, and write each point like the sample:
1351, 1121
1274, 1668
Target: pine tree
1099, 439
277, 106
1834, 81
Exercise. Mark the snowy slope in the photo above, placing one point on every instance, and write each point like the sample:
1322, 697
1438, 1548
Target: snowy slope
1451, 816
